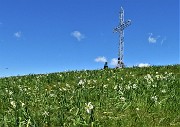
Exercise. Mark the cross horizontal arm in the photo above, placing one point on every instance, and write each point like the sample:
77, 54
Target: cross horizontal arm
126, 24
123, 26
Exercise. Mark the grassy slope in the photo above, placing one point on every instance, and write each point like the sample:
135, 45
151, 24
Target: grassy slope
120, 97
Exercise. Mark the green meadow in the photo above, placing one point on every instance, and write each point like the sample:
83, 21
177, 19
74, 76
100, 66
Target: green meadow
128, 97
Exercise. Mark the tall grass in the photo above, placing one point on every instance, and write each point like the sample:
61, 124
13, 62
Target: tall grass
141, 97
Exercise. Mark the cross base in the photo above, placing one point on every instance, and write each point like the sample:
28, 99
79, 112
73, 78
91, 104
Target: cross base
120, 64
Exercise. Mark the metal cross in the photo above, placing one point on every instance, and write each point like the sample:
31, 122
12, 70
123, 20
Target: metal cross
120, 29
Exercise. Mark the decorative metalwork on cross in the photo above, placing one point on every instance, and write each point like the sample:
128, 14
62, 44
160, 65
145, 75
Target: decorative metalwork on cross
120, 29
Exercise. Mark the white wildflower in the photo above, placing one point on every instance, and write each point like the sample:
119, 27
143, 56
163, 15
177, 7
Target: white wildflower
94, 81
105, 86
88, 81
128, 87
122, 99
81, 82
20, 87
22, 104
10, 92
89, 107
134, 86
115, 87
45, 113
149, 78
52, 95
67, 85
137, 109
159, 77
6, 89
13, 104
120, 92
64, 89
154, 85
163, 91
154, 98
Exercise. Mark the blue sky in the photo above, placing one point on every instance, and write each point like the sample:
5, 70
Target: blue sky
43, 36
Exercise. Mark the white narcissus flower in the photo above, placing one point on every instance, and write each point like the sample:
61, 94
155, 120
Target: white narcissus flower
122, 99
45, 113
137, 109
154, 98
163, 91
134, 86
13, 104
22, 104
89, 107
81, 82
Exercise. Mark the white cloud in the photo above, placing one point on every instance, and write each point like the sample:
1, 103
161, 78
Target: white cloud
114, 62
18, 34
101, 59
152, 39
143, 65
78, 35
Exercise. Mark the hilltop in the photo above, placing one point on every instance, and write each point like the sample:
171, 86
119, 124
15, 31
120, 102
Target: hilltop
136, 96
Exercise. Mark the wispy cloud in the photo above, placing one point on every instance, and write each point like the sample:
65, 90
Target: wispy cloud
156, 39
78, 35
114, 62
162, 41
101, 59
152, 39
18, 34
143, 65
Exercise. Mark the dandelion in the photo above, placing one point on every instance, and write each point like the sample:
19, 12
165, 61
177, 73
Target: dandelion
89, 107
